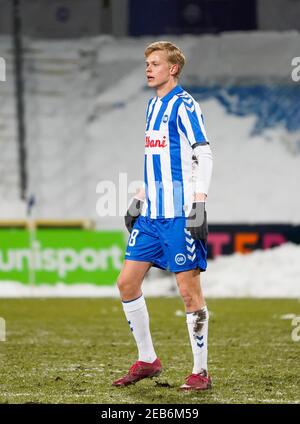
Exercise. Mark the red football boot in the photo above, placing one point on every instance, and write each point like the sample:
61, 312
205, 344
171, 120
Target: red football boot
200, 381
138, 371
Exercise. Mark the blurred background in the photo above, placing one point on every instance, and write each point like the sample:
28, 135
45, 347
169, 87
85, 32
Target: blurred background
72, 115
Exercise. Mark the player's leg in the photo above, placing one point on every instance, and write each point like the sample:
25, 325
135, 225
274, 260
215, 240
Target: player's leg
131, 278
141, 246
135, 309
186, 258
189, 286
197, 322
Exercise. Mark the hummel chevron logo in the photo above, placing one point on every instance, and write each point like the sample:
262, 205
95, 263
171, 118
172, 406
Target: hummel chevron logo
184, 95
188, 101
191, 109
191, 258
200, 341
191, 249
189, 240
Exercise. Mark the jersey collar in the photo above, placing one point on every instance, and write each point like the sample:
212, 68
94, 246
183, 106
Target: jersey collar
176, 90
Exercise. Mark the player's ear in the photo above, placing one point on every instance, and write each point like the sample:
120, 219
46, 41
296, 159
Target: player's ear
174, 69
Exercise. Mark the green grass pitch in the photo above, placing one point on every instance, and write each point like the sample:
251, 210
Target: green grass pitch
70, 350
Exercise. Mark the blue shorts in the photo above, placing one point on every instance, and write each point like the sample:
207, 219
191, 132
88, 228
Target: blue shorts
166, 243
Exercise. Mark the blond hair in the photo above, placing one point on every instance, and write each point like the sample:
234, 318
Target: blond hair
174, 54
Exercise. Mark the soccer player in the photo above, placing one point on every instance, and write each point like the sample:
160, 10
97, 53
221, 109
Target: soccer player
167, 219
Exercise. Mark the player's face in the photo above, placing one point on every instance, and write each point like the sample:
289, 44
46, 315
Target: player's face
158, 70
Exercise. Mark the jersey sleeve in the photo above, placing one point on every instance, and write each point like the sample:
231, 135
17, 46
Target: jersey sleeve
190, 122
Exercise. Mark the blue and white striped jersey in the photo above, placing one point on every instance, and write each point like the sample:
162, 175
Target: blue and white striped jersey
174, 124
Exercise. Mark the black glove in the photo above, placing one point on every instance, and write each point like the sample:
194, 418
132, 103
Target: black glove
196, 222
133, 212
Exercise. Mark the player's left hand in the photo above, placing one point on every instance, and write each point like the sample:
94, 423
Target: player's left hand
196, 222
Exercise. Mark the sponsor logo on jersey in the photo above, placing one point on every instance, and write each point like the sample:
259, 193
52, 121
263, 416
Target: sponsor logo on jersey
155, 143
180, 259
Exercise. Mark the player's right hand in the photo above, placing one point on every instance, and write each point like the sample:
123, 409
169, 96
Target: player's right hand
133, 212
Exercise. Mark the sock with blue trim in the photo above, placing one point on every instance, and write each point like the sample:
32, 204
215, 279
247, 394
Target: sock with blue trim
138, 319
197, 323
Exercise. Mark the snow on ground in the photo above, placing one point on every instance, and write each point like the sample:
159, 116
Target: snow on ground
269, 273
273, 273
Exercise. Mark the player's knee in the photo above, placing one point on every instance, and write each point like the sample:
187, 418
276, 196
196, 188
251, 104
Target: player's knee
127, 287
187, 297
122, 284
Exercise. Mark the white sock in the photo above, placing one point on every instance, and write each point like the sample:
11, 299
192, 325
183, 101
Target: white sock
138, 319
197, 323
